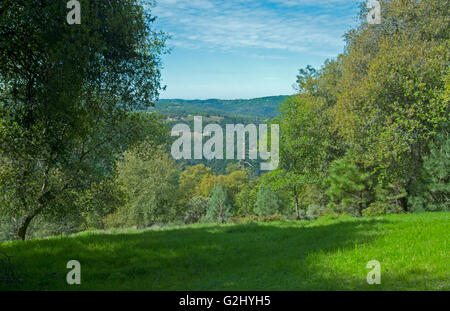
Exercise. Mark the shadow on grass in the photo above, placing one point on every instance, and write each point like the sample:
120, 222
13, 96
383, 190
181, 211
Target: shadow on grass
279, 256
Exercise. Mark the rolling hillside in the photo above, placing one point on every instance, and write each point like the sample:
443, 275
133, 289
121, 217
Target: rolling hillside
264, 107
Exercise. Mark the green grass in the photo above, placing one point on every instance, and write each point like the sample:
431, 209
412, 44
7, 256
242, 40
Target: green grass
318, 255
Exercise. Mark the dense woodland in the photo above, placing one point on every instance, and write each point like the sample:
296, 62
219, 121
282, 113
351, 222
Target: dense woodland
262, 108
366, 134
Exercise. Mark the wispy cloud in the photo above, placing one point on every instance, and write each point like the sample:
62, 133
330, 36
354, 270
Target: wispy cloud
248, 48
289, 25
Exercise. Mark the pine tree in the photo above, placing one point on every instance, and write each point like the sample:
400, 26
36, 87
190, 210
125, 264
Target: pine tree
433, 188
219, 208
348, 186
266, 202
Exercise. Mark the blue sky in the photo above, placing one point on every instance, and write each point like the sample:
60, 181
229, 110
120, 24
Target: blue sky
232, 49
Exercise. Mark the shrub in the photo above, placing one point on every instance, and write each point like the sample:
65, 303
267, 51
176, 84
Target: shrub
8, 228
114, 220
376, 209
314, 211
196, 210
246, 219
274, 217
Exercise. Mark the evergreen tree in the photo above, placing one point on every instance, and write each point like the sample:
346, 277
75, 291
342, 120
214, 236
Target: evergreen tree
219, 208
266, 202
348, 187
246, 200
433, 189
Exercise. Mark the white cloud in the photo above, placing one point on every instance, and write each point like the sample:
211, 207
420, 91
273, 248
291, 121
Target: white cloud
218, 24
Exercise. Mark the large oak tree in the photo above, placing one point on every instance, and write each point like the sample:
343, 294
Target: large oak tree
65, 91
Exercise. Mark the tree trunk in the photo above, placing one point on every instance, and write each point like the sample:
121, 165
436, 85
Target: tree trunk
22, 231
404, 203
221, 218
41, 203
297, 208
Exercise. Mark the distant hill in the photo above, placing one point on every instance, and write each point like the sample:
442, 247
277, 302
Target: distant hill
264, 107
222, 112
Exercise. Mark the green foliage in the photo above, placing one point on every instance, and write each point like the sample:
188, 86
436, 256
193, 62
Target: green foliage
219, 208
246, 200
266, 201
389, 198
315, 211
265, 107
148, 177
367, 134
307, 143
220, 166
65, 92
190, 179
348, 187
433, 188
195, 210
375, 209
55, 225
251, 219
98, 202
234, 183
372, 113
391, 100
305, 78
8, 228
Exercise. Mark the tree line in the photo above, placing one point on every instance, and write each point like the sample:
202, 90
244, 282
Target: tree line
366, 134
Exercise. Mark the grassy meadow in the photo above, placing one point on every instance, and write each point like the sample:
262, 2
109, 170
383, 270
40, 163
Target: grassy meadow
326, 254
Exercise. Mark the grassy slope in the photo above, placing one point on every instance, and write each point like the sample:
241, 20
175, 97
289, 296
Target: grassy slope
320, 255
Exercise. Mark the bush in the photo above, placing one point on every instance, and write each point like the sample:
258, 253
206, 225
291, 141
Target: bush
376, 209
246, 219
51, 225
8, 228
196, 210
315, 211
114, 220
274, 217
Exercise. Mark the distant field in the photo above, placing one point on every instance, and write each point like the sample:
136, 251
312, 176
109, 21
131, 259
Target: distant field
319, 255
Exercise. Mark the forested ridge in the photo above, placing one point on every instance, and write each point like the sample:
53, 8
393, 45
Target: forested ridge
82, 148
262, 108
